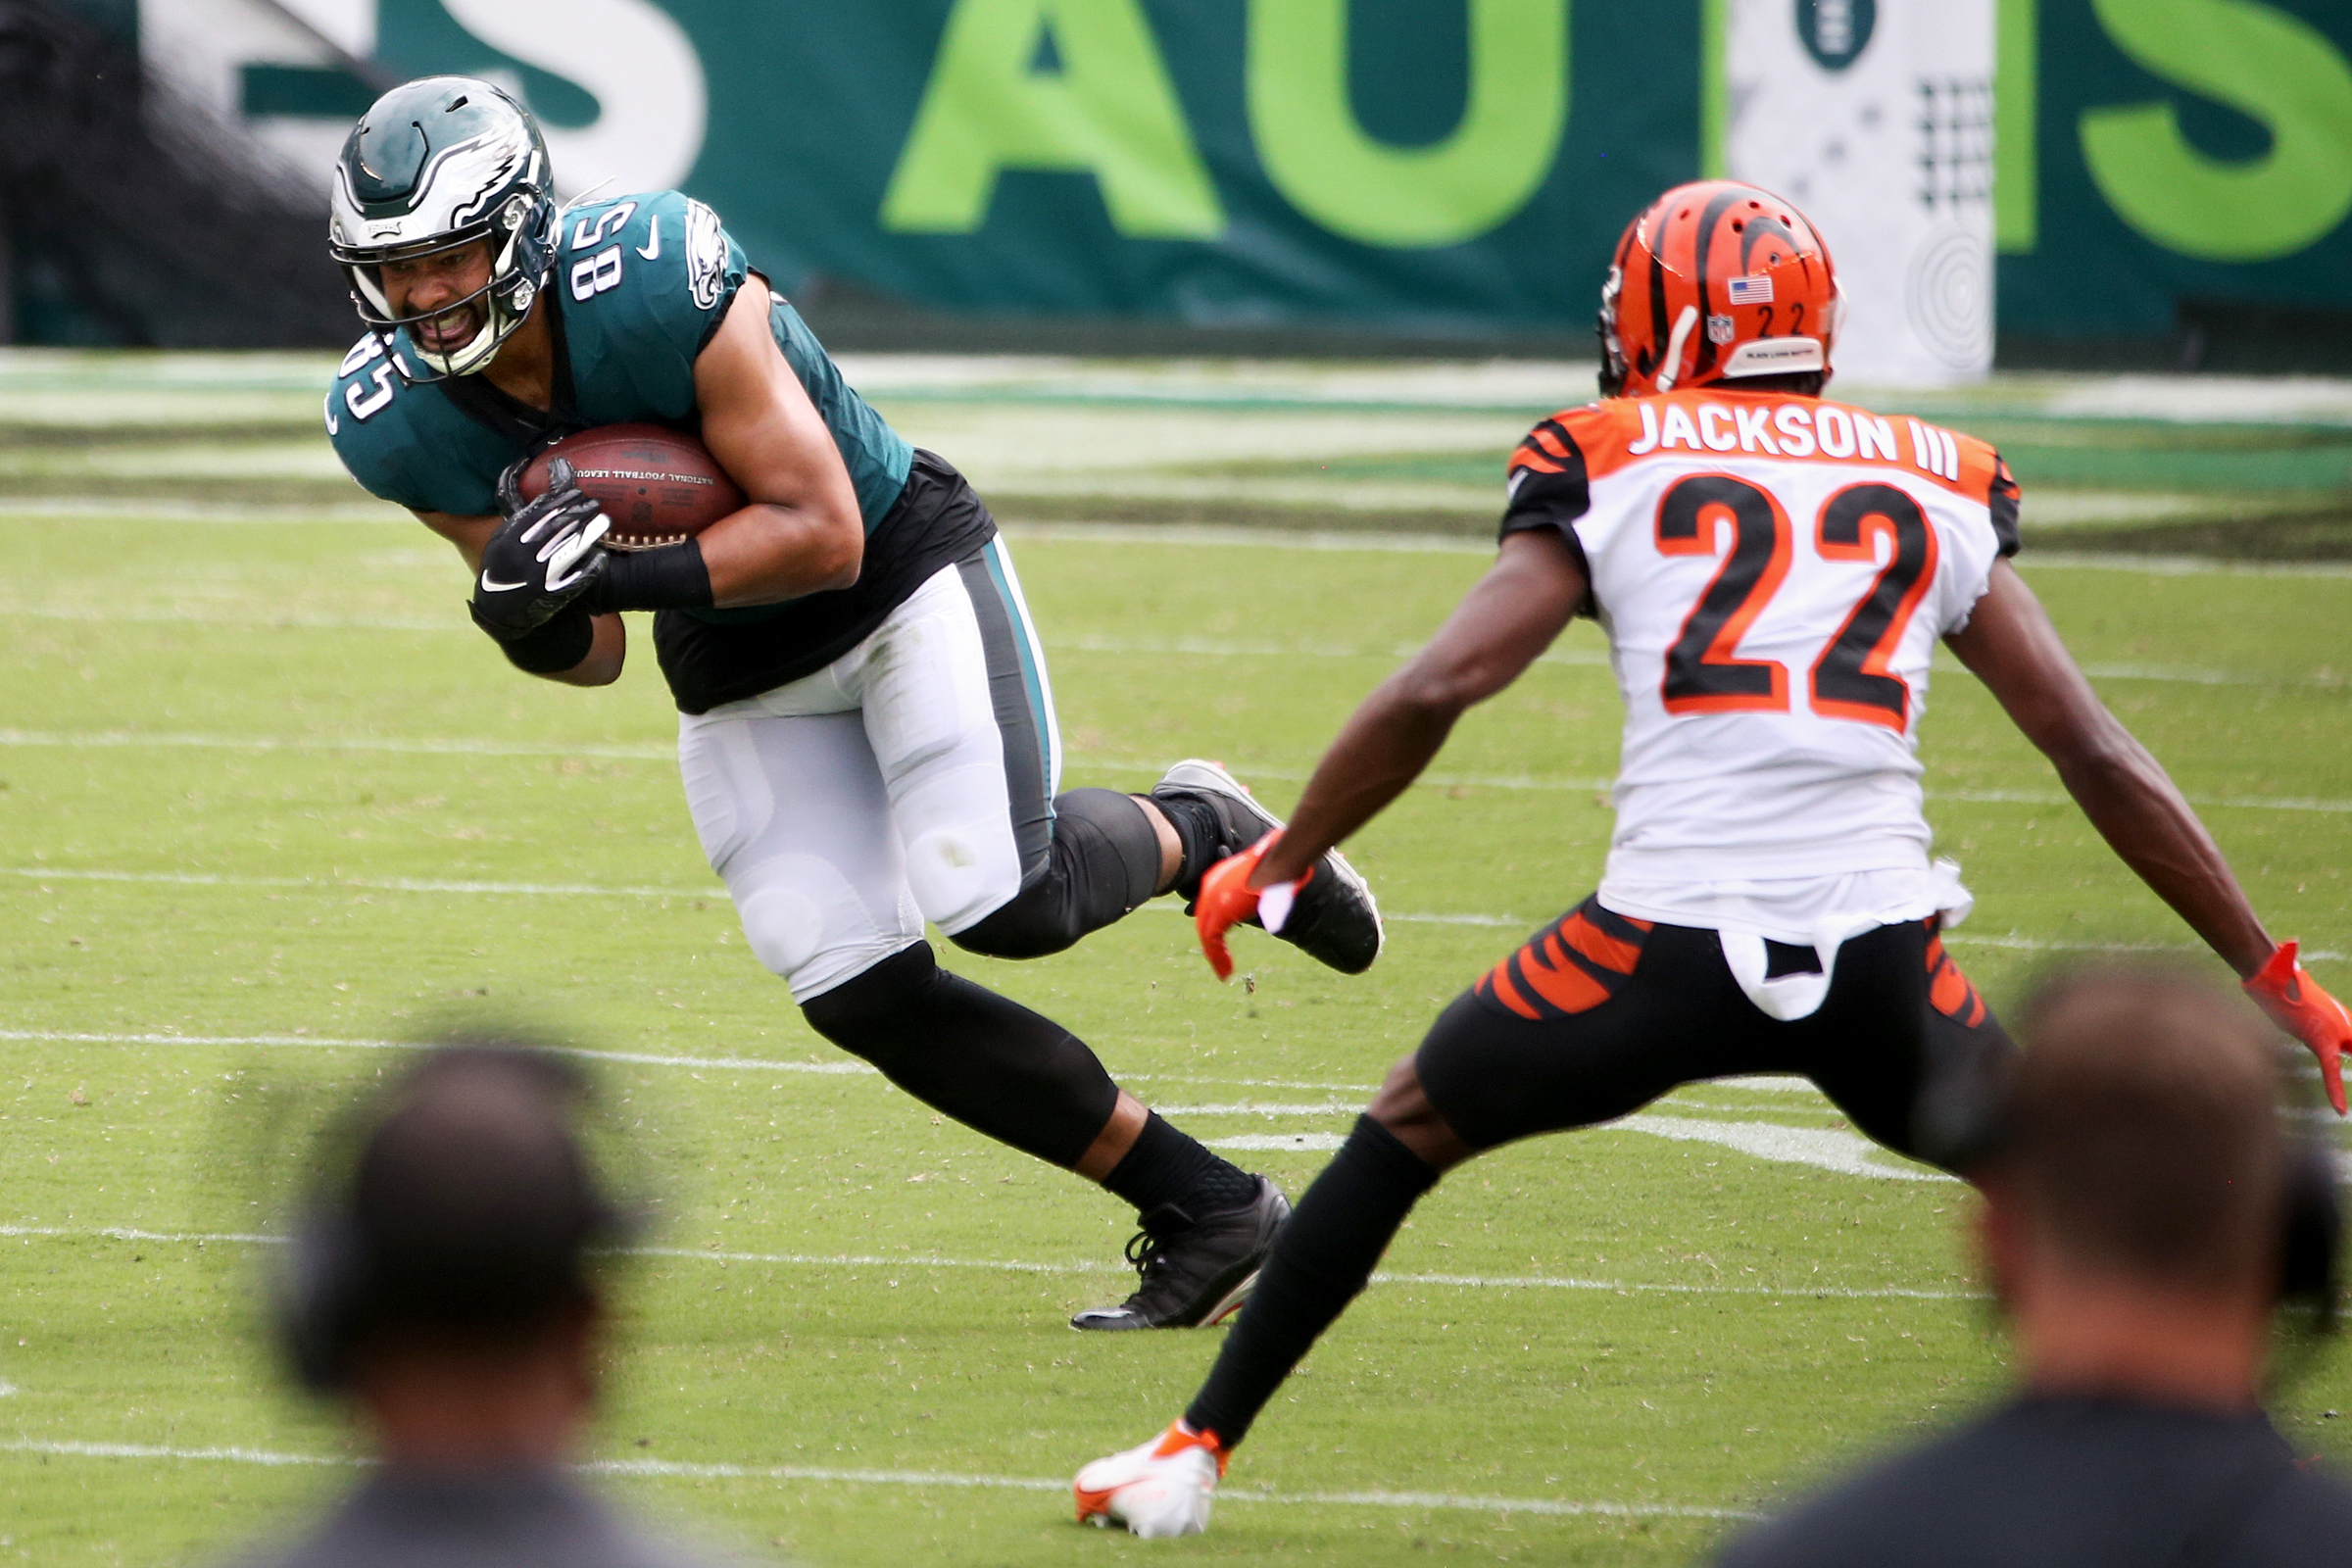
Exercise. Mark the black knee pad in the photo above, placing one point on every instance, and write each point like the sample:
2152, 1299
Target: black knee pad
984, 1059
1104, 862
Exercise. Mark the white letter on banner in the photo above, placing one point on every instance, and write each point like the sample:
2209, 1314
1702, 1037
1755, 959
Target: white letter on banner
1109, 111
1317, 155
632, 58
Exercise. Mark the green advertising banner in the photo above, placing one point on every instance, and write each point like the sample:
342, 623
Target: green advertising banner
2157, 154
1437, 164
1447, 164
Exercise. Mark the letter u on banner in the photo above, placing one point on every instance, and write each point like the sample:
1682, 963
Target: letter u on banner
1319, 157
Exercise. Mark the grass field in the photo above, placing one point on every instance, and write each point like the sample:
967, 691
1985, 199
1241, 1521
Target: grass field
268, 802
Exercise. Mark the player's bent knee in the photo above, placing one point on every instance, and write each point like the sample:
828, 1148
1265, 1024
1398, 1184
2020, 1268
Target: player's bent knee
783, 926
1037, 921
1405, 1110
958, 873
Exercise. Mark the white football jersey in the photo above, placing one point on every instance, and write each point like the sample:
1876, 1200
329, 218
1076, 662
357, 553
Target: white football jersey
1774, 573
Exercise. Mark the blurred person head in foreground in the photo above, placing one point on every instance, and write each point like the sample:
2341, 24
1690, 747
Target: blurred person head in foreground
444, 1282
2142, 1211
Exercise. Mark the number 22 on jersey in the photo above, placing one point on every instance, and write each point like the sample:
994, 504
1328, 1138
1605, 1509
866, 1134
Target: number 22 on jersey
1852, 678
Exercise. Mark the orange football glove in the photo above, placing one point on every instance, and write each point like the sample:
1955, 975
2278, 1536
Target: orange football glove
1227, 900
2302, 1006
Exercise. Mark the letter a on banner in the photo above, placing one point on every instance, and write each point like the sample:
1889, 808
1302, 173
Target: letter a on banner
1109, 111
1318, 155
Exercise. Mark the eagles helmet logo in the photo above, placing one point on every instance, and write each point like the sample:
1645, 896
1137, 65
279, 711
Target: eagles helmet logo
706, 255
433, 166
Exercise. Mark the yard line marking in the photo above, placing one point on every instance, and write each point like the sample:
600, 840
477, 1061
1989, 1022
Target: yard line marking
323, 1042
570, 890
562, 890
1558, 1507
429, 747
1083, 643
1479, 1282
384, 884
258, 620
467, 746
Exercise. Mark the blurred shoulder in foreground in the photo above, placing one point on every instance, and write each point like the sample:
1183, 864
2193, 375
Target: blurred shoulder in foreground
2144, 1216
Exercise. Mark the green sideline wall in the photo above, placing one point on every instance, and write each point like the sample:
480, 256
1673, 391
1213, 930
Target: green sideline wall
1450, 166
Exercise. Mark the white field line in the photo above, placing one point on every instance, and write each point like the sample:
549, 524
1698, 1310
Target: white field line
469, 747
559, 890
258, 621
1155, 647
1555, 1506
421, 746
1802, 1290
578, 889
317, 1042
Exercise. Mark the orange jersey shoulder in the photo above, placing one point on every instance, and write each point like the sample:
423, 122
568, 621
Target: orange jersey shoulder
1600, 438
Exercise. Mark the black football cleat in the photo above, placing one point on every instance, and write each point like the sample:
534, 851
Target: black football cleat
1195, 1272
1335, 920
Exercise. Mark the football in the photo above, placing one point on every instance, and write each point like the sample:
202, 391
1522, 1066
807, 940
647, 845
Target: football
658, 486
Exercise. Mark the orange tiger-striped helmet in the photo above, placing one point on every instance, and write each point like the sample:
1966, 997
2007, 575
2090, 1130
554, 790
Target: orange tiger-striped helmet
1716, 281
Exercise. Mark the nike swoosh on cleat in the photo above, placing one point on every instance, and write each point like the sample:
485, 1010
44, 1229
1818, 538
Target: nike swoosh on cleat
490, 587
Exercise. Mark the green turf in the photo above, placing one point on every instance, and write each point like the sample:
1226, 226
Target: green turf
242, 762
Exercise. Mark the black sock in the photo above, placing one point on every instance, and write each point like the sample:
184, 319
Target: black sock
1170, 1167
1320, 1261
1201, 834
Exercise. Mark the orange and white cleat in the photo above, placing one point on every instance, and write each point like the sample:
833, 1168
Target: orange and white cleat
1158, 1490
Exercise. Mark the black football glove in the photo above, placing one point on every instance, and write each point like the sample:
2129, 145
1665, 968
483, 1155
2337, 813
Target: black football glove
542, 558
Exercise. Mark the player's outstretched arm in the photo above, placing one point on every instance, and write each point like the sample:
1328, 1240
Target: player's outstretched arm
608, 648
1519, 606
801, 531
2012, 647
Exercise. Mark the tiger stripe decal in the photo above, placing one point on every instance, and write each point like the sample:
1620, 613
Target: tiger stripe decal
1572, 965
1949, 992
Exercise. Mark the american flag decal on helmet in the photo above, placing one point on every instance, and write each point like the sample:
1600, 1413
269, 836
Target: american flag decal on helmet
1756, 289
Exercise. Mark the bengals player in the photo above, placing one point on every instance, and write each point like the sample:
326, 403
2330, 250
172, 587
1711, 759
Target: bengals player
1774, 571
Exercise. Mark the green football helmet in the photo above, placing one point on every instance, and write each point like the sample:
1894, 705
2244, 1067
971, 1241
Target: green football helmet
434, 165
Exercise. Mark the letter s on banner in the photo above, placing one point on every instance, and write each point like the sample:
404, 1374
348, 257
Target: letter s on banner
2273, 68
633, 59
1110, 112
1318, 155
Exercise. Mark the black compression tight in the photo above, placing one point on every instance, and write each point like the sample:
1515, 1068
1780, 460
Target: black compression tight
985, 1059
1320, 1261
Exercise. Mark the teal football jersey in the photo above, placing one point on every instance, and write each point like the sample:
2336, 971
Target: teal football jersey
640, 284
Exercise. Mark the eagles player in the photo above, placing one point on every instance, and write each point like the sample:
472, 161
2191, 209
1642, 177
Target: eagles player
1774, 571
865, 729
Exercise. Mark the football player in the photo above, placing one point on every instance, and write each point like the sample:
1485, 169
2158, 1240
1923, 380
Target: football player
1773, 571
865, 729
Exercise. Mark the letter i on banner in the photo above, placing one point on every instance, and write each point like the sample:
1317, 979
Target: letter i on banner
1875, 116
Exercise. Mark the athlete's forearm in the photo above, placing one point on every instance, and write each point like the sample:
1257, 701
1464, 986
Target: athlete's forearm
2011, 646
2143, 818
606, 654
1377, 756
766, 554
1514, 613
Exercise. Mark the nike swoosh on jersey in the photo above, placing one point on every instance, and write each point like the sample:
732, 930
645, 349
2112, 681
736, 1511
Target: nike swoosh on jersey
652, 248
490, 587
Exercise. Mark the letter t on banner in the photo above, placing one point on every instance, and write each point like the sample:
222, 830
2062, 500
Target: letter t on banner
1875, 120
